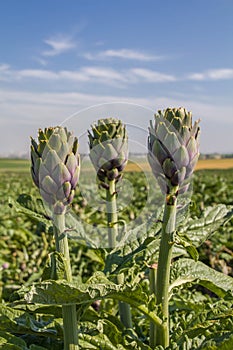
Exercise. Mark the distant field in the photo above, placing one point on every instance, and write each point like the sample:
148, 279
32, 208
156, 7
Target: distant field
23, 165
139, 164
14, 165
215, 164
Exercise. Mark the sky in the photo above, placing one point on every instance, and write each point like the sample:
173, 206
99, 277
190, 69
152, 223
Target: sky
74, 62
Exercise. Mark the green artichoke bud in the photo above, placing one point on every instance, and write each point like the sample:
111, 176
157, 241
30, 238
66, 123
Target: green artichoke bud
55, 166
108, 144
173, 146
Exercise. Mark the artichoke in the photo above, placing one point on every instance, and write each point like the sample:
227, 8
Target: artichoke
173, 146
108, 144
55, 166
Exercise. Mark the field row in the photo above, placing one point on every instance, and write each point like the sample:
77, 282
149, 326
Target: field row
136, 164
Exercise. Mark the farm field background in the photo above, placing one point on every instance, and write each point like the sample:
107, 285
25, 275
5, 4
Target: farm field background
137, 164
212, 184
25, 243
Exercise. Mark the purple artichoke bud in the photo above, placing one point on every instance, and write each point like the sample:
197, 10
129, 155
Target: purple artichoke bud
108, 144
55, 166
173, 146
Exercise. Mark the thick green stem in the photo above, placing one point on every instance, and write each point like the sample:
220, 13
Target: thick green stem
153, 278
124, 308
112, 219
68, 311
164, 263
112, 216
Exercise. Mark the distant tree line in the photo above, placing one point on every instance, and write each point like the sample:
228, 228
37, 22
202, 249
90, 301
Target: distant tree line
216, 155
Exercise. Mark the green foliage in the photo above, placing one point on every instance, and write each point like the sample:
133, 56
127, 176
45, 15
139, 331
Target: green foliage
187, 271
201, 295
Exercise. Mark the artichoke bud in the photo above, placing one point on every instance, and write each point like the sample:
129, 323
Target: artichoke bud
108, 142
55, 166
173, 149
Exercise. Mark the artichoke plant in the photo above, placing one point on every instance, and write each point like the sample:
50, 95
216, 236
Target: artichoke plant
173, 146
108, 144
55, 166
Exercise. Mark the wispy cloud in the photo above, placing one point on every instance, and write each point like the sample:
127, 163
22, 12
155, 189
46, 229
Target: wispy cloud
103, 75
214, 74
84, 74
152, 76
58, 45
125, 54
109, 76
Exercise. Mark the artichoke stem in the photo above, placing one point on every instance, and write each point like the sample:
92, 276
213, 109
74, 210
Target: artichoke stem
112, 220
68, 311
112, 216
163, 271
152, 279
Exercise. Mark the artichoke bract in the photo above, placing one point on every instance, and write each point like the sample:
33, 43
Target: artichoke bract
173, 146
55, 166
108, 144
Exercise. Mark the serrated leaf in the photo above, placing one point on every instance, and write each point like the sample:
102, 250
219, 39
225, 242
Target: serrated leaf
95, 342
62, 292
21, 322
31, 207
97, 287
34, 209
106, 339
137, 250
199, 229
186, 271
121, 259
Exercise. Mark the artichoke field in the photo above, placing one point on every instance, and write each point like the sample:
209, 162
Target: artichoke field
61, 291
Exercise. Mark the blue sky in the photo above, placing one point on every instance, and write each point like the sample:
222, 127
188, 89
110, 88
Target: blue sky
60, 57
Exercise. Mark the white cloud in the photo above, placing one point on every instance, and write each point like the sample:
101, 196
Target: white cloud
103, 75
108, 76
214, 74
197, 76
151, 76
126, 54
84, 74
221, 74
58, 45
